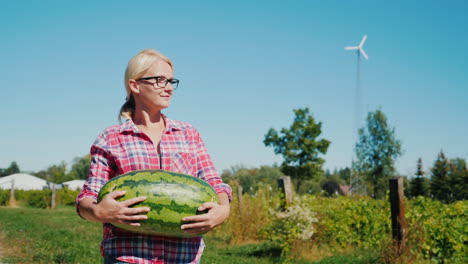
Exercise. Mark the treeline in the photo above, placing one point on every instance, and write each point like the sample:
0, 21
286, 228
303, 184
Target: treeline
446, 180
302, 147
59, 173
376, 151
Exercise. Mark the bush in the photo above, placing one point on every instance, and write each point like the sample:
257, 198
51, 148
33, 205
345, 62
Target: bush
351, 221
295, 222
39, 199
66, 197
442, 231
4, 197
247, 218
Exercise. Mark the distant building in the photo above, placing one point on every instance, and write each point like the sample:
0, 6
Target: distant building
344, 189
74, 185
22, 181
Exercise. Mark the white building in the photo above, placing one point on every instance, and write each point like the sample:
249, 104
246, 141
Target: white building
22, 181
74, 185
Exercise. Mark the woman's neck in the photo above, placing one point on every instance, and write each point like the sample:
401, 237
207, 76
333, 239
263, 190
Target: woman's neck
148, 119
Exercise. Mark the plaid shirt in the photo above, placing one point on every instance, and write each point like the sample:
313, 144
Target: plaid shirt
123, 148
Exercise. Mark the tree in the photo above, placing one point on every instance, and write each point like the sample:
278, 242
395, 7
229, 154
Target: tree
252, 180
449, 179
80, 168
12, 169
300, 147
376, 152
440, 183
419, 186
458, 178
331, 188
57, 173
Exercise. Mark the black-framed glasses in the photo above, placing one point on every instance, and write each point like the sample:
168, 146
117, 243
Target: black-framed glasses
161, 81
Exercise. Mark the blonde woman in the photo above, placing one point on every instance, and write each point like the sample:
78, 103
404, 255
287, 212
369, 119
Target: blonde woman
149, 140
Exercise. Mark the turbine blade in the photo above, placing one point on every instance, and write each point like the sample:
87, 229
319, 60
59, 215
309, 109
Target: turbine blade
362, 41
351, 48
363, 54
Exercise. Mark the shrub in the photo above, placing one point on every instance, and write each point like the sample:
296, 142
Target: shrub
4, 197
38, 199
66, 197
295, 222
443, 230
351, 221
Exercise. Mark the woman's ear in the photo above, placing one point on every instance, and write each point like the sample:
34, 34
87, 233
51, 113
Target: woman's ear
134, 87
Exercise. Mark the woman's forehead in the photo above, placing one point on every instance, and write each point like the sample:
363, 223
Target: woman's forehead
160, 68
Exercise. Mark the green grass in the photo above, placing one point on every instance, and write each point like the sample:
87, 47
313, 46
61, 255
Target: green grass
39, 236
48, 236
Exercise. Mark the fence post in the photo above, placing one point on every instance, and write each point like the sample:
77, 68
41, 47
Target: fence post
52, 203
239, 200
397, 207
285, 186
12, 194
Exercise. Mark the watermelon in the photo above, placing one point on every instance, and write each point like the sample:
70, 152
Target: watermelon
170, 196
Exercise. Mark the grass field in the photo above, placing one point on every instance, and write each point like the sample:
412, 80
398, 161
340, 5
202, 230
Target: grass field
29, 235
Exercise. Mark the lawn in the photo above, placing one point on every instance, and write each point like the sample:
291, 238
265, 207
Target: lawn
30, 235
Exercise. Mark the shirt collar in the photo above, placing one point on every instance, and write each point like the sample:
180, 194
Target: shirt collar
128, 125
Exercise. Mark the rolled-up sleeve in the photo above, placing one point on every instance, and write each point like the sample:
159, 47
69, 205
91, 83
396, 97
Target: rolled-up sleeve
207, 170
100, 171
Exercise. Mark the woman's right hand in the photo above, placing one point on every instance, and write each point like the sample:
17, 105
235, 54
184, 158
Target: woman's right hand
109, 210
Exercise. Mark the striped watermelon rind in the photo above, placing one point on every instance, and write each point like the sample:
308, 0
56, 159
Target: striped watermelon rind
170, 196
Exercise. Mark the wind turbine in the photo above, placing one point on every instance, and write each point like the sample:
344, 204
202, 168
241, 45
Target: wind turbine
359, 48
357, 110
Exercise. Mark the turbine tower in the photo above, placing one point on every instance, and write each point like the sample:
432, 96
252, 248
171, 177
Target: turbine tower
356, 186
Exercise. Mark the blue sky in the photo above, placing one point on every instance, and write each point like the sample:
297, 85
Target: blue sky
243, 65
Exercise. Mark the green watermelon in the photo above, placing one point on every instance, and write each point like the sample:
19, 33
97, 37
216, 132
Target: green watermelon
170, 196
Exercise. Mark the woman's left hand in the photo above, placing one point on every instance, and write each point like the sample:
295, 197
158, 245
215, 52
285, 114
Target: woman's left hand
217, 214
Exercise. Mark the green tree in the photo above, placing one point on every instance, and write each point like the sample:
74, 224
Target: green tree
252, 180
419, 186
376, 152
458, 178
41, 174
57, 173
440, 182
12, 169
300, 147
80, 168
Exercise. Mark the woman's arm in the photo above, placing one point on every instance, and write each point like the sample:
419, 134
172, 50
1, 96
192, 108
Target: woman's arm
217, 214
109, 210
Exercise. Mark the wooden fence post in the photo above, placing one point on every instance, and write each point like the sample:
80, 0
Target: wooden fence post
397, 207
285, 186
239, 200
12, 194
52, 202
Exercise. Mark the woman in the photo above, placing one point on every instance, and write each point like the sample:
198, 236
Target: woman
149, 140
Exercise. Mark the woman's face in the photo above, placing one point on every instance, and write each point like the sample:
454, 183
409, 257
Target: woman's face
147, 93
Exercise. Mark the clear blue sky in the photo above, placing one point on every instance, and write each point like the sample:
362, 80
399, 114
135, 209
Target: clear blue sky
243, 65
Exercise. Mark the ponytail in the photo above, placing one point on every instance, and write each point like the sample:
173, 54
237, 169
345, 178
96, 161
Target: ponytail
127, 109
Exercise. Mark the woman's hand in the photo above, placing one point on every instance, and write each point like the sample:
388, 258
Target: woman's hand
109, 210
217, 214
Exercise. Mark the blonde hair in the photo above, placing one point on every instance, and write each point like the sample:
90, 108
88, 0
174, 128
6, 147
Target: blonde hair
136, 68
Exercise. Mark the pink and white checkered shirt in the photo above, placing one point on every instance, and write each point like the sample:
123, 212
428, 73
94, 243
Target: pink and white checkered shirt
123, 148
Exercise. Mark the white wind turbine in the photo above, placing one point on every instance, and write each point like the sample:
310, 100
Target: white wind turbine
355, 181
359, 48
